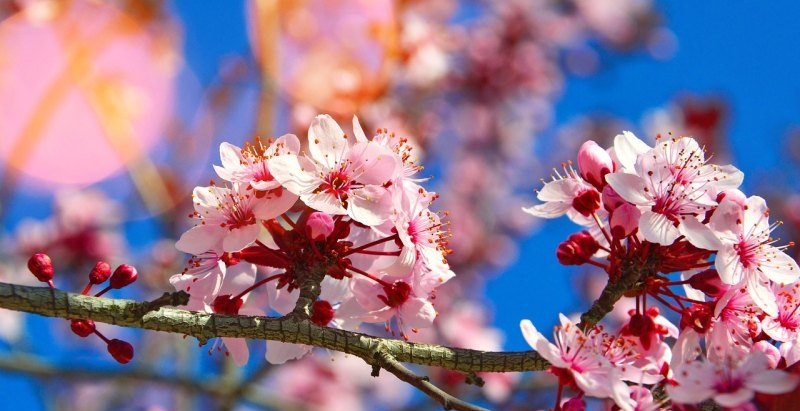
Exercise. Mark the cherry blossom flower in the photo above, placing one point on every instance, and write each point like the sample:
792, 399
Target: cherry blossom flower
566, 194
229, 218
250, 165
340, 177
730, 383
671, 183
745, 254
577, 354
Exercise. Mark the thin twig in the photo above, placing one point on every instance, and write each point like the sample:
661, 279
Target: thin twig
384, 360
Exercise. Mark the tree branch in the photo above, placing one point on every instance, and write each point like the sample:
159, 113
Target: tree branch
612, 292
203, 326
30, 365
385, 361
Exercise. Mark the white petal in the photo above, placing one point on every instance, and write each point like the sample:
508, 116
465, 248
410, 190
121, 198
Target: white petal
325, 202
540, 344
239, 238
417, 313
628, 147
728, 266
772, 382
230, 155
370, 205
778, 266
294, 173
280, 352
630, 187
561, 190
199, 239
762, 295
273, 205
550, 209
699, 234
735, 398
238, 349
326, 141
657, 228
358, 131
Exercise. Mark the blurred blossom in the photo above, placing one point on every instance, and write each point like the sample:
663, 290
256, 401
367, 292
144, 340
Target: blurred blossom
84, 229
95, 96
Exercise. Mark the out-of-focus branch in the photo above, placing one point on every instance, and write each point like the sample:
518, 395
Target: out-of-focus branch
32, 366
57, 303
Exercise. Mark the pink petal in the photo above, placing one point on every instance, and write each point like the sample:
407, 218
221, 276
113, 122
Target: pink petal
417, 313
295, 174
281, 352
627, 148
239, 238
699, 234
238, 349
657, 228
370, 205
551, 209
630, 187
199, 239
762, 295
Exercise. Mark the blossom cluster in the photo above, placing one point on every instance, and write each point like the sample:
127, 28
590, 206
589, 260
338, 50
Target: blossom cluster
346, 214
693, 244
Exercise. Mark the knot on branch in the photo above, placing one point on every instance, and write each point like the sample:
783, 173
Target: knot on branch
173, 299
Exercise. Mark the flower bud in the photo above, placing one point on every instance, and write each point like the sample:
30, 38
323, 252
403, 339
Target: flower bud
100, 273
226, 304
587, 202
708, 282
41, 266
577, 249
321, 313
120, 350
624, 220
124, 275
82, 328
611, 199
319, 226
594, 163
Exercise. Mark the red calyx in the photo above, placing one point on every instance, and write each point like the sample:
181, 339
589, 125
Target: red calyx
697, 316
230, 259
577, 249
41, 266
321, 313
124, 275
587, 202
260, 255
396, 294
82, 328
120, 350
99, 273
226, 304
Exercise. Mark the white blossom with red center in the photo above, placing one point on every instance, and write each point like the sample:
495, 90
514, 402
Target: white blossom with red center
249, 165
672, 184
731, 383
341, 176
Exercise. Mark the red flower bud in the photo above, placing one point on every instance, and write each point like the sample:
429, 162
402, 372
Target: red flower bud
83, 328
321, 313
587, 202
124, 275
594, 163
577, 249
319, 226
42, 267
708, 282
624, 220
225, 304
120, 350
100, 273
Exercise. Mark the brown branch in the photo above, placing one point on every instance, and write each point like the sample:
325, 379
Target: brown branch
385, 361
203, 326
612, 292
32, 366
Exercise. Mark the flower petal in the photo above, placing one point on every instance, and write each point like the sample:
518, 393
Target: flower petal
657, 228
630, 187
327, 143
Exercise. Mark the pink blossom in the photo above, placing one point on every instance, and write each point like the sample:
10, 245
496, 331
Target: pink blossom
745, 254
229, 218
566, 194
594, 163
340, 176
730, 383
784, 326
671, 184
250, 165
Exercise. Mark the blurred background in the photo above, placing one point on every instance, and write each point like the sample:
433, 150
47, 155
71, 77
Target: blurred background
111, 111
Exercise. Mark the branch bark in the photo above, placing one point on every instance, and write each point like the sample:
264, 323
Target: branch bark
203, 326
